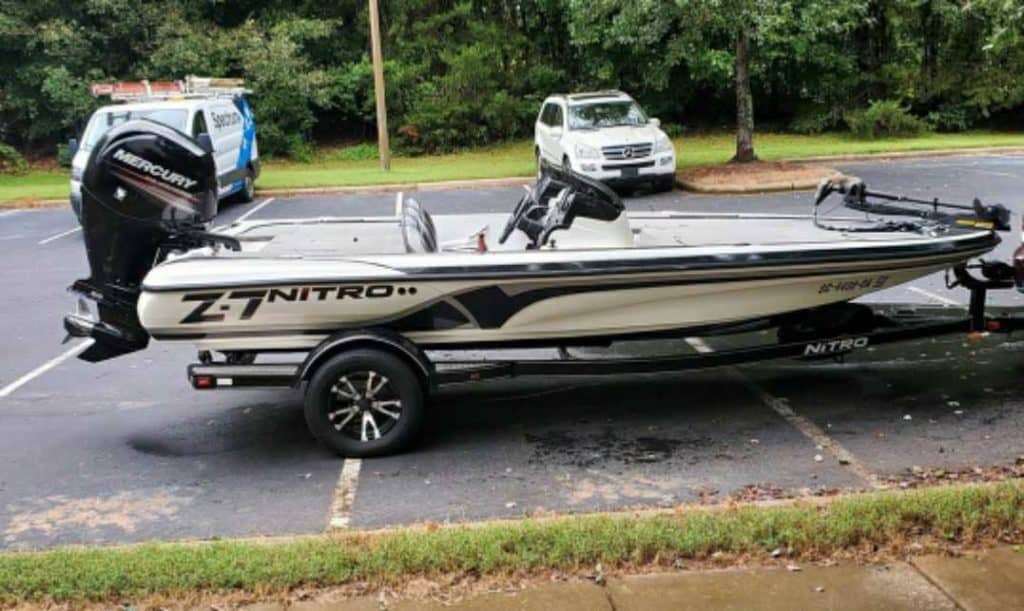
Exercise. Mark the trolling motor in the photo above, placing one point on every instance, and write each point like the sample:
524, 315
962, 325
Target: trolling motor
856, 196
147, 190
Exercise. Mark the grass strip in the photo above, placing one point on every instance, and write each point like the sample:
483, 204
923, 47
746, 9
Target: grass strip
329, 168
964, 513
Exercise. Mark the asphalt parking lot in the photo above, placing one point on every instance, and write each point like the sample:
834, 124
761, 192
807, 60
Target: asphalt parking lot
125, 451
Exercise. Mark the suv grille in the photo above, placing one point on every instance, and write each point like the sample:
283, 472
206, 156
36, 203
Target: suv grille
621, 152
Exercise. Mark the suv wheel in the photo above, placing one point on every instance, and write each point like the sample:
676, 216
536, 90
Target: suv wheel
665, 183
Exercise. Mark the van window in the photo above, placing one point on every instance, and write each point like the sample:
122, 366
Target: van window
199, 124
102, 121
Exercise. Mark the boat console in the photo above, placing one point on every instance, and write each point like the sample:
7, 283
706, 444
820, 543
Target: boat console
556, 201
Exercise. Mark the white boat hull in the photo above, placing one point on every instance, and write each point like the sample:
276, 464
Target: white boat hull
432, 311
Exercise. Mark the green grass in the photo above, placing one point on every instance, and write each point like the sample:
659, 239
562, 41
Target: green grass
962, 513
336, 168
34, 185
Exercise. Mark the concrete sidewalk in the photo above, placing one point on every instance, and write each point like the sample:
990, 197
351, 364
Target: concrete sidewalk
989, 580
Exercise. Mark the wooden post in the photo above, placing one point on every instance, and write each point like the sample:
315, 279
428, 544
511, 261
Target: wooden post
378, 88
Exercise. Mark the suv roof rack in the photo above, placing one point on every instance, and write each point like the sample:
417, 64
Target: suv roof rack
590, 95
192, 87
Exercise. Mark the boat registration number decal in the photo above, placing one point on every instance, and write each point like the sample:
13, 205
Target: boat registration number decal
849, 286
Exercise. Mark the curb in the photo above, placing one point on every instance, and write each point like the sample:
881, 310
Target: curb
767, 187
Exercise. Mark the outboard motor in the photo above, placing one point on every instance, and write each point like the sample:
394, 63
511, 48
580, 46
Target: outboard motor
147, 190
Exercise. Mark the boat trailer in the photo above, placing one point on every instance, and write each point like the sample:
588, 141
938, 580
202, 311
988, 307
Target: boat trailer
889, 323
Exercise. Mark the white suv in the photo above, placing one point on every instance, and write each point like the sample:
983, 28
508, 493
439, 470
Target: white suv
604, 135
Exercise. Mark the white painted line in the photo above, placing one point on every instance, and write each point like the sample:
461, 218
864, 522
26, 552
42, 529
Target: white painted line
805, 426
936, 297
398, 205
48, 365
7, 213
59, 236
254, 210
345, 494
699, 345
812, 432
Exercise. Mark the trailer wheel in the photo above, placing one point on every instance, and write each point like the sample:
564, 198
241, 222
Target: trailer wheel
364, 403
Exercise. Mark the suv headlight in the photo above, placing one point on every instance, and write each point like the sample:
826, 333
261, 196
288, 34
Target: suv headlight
663, 144
76, 173
585, 151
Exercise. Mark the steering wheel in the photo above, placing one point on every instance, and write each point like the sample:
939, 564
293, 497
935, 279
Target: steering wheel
513, 220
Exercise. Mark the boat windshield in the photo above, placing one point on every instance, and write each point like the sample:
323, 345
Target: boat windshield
606, 114
103, 120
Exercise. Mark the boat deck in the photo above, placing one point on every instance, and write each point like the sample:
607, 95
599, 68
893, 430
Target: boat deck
383, 235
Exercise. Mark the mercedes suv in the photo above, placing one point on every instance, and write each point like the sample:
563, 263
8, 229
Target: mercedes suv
604, 135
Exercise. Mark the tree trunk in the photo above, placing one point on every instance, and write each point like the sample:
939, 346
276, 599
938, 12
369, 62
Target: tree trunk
744, 101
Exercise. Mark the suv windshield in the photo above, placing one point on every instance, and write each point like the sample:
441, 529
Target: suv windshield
104, 120
606, 114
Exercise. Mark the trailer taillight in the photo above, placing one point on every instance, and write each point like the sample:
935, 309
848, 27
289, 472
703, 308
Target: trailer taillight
204, 381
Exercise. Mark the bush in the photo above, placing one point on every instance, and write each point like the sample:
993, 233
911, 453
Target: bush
884, 118
11, 161
299, 149
365, 151
63, 155
949, 119
815, 121
673, 130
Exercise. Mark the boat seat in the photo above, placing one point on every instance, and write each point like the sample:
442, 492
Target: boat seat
418, 231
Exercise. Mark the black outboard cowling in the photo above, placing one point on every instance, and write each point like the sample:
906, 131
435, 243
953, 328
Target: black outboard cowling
147, 189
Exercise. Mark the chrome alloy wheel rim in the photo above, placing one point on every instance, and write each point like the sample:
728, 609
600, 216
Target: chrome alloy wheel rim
364, 405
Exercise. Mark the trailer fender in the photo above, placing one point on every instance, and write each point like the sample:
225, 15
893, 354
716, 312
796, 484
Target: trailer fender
381, 339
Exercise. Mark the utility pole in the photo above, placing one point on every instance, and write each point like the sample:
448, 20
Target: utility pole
378, 88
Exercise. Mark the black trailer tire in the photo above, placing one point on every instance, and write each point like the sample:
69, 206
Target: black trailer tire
352, 390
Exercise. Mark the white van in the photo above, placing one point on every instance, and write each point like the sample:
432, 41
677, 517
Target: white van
228, 120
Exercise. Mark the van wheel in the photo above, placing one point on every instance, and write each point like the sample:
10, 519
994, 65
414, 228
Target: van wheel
248, 192
364, 403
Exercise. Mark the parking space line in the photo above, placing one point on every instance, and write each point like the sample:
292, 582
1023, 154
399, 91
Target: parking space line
48, 365
344, 495
59, 236
813, 432
398, 205
936, 297
254, 210
800, 423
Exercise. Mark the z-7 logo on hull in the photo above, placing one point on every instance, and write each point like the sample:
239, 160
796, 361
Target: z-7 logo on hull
215, 307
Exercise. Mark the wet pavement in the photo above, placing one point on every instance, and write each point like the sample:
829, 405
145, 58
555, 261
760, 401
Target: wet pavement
126, 451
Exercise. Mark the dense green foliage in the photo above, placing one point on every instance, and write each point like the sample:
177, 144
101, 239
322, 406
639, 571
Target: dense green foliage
467, 72
884, 118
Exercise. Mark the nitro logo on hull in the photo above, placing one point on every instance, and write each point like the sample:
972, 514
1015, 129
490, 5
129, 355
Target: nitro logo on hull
250, 300
153, 169
835, 346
